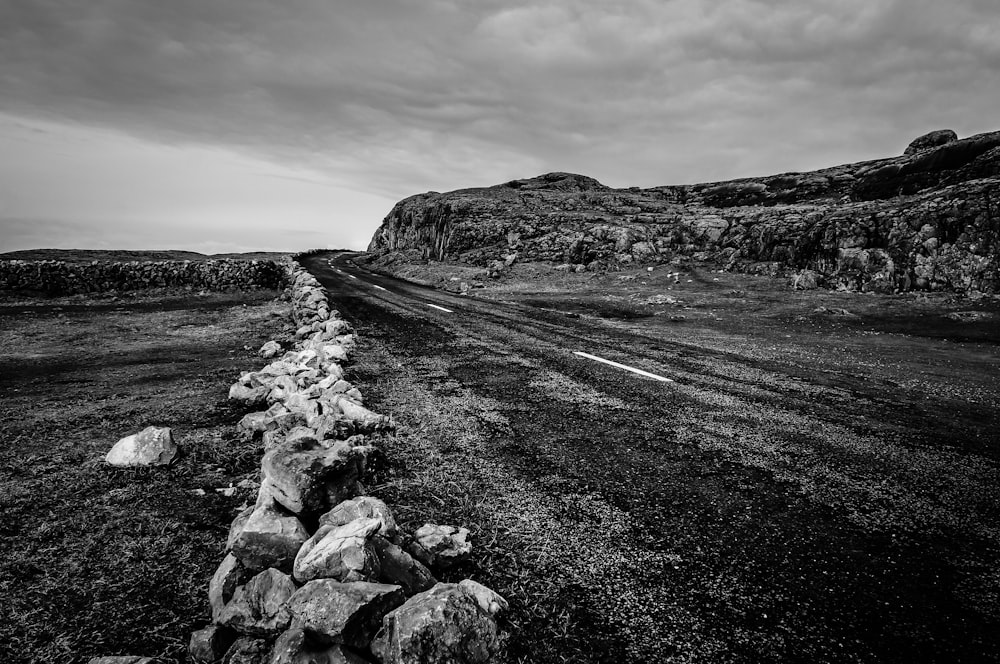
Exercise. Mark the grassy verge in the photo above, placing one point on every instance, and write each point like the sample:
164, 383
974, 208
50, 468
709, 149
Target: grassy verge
103, 561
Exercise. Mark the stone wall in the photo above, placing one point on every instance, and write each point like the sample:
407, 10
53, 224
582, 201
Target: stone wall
61, 278
316, 570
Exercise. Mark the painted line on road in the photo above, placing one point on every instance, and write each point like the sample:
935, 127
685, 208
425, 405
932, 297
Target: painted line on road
624, 366
434, 306
378, 287
351, 276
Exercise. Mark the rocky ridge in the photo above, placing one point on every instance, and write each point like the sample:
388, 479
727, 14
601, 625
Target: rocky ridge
928, 219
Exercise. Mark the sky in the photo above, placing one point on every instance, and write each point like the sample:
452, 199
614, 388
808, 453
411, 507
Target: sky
243, 125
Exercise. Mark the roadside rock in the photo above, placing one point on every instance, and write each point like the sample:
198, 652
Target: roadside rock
296, 647
305, 473
269, 537
440, 546
400, 568
269, 350
362, 507
153, 446
230, 575
344, 553
208, 645
348, 613
489, 601
443, 624
260, 608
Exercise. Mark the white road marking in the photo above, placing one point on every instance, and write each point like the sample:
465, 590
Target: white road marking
352, 276
378, 287
434, 306
624, 366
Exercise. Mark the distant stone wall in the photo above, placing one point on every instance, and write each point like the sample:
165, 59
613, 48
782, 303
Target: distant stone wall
61, 278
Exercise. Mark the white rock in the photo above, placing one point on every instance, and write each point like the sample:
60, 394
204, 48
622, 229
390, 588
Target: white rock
153, 446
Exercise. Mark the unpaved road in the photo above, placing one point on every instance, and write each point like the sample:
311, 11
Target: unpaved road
753, 503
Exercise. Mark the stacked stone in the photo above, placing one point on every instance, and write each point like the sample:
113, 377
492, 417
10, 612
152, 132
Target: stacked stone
62, 278
316, 571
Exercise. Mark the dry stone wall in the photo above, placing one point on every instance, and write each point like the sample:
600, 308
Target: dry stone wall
62, 278
316, 570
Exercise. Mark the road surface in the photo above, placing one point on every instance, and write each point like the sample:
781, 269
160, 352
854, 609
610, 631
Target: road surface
682, 503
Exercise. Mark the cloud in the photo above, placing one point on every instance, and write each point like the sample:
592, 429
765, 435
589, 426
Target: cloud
394, 97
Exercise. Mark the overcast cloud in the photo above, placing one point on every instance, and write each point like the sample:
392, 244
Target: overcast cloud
372, 101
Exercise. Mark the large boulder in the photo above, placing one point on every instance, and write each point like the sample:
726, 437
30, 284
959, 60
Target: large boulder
308, 475
268, 537
153, 446
344, 553
444, 624
260, 608
348, 613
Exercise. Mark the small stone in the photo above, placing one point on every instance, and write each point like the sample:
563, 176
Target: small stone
210, 644
344, 553
260, 608
269, 350
348, 613
489, 601
252, 423
248, 394
443, 624
296, 647
153, 446
440, 546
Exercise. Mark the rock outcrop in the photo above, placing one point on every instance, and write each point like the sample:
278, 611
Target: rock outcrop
928, 219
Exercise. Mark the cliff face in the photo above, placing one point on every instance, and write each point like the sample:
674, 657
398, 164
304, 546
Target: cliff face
929, 219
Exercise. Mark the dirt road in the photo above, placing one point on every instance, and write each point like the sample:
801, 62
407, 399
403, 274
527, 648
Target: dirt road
739, 501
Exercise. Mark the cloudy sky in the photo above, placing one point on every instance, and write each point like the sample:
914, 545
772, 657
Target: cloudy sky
231, 125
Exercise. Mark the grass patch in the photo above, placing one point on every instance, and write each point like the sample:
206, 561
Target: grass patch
104, 561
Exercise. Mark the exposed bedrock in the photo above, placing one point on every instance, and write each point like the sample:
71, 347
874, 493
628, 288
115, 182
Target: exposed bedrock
928, 219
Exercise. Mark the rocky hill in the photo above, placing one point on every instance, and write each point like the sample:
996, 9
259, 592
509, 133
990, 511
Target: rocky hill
929, 219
